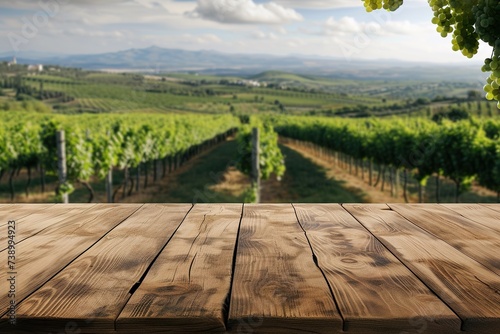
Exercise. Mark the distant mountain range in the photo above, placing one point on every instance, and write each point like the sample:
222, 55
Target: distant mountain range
156, 59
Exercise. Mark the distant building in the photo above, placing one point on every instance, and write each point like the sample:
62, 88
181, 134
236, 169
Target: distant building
35, 68
13, 62
253, 83
248, 83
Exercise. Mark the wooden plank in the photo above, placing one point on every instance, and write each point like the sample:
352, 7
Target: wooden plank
45, 254
5, 213
187, 287
375, 292
19, 211
478, 213
51, 217
495, 207
477, 241
277, 287
93, 289
466, 286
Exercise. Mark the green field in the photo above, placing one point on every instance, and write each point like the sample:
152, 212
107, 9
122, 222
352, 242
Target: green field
62, 93
74, 91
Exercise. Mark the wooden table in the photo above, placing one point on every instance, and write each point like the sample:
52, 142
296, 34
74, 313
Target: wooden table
326, 268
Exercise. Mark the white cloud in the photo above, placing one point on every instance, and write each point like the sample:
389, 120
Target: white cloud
201, 39
95, 26
244, 11
80, 32
281, 30
407, 28
150, 4
296, 43
350, 26
264, 35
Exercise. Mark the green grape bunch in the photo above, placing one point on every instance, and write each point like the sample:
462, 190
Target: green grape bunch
390, 5
468, 22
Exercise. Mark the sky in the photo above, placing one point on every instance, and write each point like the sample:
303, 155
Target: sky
331, 28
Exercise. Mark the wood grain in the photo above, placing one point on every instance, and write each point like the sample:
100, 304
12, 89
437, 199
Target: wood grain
78, 266
186, 289
466, 286
51, 217
375, 292
494, 207
93, 289
5, 207
477, 241
43, 255
277, 286
477, 213
19, 211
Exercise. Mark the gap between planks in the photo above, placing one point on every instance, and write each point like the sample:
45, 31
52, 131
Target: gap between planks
374, 290
35, 280
465, 285
188, 284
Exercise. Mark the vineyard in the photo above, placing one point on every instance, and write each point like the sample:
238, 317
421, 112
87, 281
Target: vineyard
97, 145
124, 130
461, 151
71, 91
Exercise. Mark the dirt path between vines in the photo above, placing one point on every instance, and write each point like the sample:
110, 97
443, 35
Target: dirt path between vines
371, 194
233, 182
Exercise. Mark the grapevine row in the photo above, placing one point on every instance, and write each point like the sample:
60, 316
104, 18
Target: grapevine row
463, 151
95, 144
270, 160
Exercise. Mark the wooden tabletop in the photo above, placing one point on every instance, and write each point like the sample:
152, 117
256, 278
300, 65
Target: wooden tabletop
310, 268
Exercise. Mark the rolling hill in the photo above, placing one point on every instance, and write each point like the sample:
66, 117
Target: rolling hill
155, 59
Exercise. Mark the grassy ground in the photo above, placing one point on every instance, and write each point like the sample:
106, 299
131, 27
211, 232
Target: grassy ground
199, 181
308, 182
213, 178
375, 195
19, 183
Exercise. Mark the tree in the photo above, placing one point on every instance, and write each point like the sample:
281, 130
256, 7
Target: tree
468, 21
454, 114
474, 95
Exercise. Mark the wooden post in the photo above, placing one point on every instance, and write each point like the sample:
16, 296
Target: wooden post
255, 162
109, 185
109, 178
61, 161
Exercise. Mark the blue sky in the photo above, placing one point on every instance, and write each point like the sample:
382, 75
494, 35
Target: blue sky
337, 28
